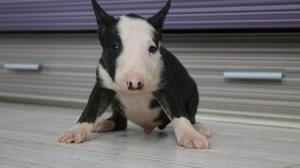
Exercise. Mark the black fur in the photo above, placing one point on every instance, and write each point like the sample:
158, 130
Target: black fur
110, 52
158, 19
98, 102
164, 119
178, 94
109, 38
104, 20
154, 104
118, 116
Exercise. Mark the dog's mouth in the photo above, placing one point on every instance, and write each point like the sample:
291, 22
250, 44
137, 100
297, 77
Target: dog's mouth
133, 91
146, 86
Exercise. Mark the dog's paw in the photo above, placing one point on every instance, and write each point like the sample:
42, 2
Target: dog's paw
202, 129
102, 125
72, 137
187, 136
193, 139
76, 135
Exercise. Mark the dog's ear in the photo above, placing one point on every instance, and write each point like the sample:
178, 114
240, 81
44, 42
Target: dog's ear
157, 21
104, 20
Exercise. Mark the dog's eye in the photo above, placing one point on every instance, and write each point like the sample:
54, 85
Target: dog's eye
152, 49
115, 46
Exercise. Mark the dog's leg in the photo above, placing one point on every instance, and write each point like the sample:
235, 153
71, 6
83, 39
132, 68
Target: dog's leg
103, 125
191, 108
117, 122
98, 102
187, 136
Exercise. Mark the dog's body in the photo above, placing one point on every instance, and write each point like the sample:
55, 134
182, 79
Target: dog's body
142, 81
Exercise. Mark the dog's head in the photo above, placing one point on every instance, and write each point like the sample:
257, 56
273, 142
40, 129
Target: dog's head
131, 48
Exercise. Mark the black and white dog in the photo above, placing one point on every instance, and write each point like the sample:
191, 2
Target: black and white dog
142, 81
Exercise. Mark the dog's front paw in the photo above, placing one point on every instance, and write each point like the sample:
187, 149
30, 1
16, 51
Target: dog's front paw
72, 137
187, 136
76, 135
193, 139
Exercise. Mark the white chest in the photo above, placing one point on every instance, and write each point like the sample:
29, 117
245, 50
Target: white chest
137, 110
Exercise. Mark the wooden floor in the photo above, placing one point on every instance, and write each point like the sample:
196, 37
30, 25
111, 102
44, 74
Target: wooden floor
28, 138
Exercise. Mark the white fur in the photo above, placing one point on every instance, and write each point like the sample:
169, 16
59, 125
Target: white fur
135, 61
107, 82
136, 108
187, 136
77, 134
181, 125
85, 127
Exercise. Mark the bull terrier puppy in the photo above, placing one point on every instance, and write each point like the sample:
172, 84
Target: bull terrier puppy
142, 82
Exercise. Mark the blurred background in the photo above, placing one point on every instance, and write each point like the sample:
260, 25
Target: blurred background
244, 55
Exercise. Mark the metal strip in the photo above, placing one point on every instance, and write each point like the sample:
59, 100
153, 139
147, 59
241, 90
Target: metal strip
22, 66
253, 75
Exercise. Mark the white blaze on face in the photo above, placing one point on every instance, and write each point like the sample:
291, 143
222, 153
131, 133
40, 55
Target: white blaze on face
135, 62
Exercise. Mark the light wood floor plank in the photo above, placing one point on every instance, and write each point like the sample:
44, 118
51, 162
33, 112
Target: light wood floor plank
28, 138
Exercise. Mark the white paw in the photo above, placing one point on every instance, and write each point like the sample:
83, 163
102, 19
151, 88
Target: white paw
76, 135
202, 129
103, 125
193, 139
189, 137
72, 137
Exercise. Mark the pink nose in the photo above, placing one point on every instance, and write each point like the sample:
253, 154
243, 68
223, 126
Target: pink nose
134, 85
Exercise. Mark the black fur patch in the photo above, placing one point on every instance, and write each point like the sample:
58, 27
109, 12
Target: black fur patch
118, 115
109, 40
154, 104
156, 38
118, 106
163, 118
98, 102
157, 21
